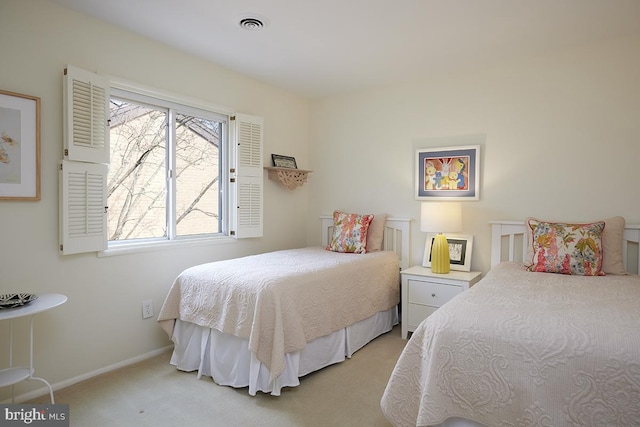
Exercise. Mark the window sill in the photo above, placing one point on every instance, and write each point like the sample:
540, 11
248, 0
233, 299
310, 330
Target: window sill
152, 246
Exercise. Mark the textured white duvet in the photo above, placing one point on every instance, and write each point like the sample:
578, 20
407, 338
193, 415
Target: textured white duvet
282, 300
525, 349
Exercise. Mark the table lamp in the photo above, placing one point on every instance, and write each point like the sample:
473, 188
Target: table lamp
445, 217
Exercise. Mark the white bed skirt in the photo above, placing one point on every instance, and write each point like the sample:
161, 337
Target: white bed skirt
227, 359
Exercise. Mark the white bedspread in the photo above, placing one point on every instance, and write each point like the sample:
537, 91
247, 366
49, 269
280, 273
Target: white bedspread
525, 349
282, 300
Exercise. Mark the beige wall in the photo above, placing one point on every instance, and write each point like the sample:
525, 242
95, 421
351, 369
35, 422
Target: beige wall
101, 324
560, 137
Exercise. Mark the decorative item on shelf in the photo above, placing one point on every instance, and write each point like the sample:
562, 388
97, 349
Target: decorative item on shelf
16, 300
284, 161
440, 218
290, 178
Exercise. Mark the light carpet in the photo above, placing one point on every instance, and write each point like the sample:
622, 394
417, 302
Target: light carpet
154, 393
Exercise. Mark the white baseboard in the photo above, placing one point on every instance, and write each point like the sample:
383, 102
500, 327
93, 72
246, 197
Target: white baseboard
25, 397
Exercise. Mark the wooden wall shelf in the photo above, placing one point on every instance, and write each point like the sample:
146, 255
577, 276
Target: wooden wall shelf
289, 177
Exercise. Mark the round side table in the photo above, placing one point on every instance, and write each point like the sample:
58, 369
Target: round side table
15, 374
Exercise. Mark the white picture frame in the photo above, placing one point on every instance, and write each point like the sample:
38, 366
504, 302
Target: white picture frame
460, 250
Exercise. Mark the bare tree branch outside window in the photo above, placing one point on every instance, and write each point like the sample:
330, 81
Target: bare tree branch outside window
138, 173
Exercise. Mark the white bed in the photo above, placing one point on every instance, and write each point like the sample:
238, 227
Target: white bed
525, 348
268, 349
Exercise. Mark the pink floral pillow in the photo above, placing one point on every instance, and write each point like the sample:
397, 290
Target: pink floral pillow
350, 232
567, 248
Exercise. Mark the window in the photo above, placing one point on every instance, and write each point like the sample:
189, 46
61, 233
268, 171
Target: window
141, 167
165, 169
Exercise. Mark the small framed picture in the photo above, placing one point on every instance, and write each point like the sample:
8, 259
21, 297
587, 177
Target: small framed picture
460, 248
284, 161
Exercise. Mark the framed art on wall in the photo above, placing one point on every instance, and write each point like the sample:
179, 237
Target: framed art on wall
19, 146
448, 173
460, 249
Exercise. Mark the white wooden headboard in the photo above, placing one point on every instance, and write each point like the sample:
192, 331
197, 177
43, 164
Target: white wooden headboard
515, 231
397, 232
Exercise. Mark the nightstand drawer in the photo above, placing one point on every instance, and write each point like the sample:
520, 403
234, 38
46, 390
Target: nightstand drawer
433, 294
417, 313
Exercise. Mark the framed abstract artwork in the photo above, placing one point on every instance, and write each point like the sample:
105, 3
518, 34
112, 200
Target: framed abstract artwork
19, 146
448, 173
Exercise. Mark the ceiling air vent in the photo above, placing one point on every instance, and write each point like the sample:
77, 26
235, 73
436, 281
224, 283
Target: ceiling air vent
252, 22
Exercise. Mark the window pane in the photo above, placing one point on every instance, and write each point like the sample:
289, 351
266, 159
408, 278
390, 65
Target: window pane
137, 172
197, 175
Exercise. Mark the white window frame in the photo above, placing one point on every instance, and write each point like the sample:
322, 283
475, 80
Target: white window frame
226, 145
235, 173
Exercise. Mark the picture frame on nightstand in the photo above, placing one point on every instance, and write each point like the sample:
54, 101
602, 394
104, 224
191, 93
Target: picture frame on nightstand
460, 250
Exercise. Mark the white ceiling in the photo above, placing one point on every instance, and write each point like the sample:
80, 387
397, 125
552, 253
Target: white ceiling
326, 47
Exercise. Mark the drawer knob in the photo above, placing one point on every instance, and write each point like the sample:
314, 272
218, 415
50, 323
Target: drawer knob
433, 295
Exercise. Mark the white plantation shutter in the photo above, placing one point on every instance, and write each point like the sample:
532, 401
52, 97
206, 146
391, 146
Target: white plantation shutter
83, 207
83, 183
249, 175
86, 116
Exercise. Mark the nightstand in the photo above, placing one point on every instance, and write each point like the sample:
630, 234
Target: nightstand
423, 292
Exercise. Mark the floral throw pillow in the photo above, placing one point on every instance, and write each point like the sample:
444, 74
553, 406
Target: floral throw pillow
350, 232
567, 248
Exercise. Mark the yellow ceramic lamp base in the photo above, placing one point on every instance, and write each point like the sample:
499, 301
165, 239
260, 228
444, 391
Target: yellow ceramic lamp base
440, 255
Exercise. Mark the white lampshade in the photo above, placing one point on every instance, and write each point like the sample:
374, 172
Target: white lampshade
444, 217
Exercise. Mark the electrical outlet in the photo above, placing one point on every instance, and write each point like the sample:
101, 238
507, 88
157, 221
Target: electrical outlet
147, 309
